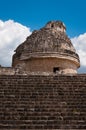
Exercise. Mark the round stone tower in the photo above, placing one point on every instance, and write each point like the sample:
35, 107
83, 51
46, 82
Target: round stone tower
47, 50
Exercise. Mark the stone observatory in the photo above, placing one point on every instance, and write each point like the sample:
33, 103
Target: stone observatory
47, 50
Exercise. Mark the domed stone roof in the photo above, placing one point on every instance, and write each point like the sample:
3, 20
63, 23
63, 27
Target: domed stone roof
49, 41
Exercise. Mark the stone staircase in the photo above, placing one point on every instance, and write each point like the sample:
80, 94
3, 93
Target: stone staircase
42, 102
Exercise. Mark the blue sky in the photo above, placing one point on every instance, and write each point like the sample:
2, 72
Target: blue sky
34, 14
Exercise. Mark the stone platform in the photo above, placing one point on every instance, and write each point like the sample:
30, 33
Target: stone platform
42, 102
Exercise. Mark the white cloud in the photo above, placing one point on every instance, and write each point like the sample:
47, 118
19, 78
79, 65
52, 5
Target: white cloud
80, 45
11, 35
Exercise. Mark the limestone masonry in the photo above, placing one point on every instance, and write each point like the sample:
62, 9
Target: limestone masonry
42, 90
38, 102
48, 50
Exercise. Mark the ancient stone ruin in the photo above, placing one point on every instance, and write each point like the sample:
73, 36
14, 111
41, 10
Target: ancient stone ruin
42, 90
48, 50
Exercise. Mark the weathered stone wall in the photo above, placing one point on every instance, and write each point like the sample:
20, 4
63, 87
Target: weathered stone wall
48, 64
7, 71
41, 65
42, 102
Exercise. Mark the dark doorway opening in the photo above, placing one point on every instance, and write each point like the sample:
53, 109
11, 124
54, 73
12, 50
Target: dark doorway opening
56, 69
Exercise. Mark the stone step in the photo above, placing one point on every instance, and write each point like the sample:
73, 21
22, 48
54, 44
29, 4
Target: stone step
42, 102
